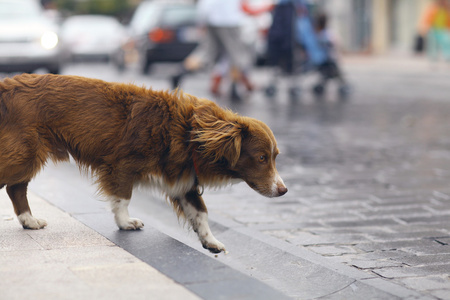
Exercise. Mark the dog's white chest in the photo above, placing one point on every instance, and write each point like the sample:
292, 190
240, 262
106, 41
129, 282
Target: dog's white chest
180, 188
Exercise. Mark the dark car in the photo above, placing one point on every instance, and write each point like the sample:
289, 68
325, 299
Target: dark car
163, 32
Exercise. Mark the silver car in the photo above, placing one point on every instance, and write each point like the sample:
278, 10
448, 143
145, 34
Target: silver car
92, 37
28, 40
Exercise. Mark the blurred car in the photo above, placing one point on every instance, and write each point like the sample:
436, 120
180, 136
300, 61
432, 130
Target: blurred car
92, 37
28, 40
163, 32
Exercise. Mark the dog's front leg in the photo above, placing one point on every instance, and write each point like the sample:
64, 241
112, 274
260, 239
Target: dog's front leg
123, 220
195, 211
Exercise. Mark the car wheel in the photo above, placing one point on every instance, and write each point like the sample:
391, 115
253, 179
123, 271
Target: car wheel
146, 67
54, 69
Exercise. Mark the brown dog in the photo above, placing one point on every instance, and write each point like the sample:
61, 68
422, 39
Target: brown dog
129, 135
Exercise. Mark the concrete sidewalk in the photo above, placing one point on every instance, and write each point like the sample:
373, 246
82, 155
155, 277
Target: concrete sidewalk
68, 260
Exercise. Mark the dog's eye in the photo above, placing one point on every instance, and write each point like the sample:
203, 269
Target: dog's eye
262, 158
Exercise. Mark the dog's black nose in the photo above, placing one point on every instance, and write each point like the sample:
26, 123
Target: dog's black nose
282, 190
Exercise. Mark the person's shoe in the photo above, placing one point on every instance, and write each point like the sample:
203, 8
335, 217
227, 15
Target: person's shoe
215, 86
234, 95
248, 85
176, 80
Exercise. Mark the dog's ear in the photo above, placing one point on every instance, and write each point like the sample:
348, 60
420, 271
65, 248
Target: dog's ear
218, 138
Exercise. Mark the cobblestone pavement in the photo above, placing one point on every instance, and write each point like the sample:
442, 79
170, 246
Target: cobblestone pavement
368, 178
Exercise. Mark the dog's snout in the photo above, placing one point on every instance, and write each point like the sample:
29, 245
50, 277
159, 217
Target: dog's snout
282, 190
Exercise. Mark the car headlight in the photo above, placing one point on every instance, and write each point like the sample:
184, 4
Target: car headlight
49, 40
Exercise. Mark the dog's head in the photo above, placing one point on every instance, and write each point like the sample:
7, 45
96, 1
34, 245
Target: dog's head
244, 146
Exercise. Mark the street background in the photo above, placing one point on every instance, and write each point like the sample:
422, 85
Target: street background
367, 177
367, 214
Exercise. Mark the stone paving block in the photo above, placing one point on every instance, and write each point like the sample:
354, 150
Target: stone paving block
405, 271
355, 291
70, 236
398, 272
400, 211
332, 216
410, 228
441, 195
432, 248
257, 219
443, 240
374, 264
395, 289
398, 236
428, 282
418, 260
285, 226
41, 281
396, 254
441, 294
130, 281
428, 220
350, 230
395, 245
364, 223
304, 280
17, 240
307, 238
333, 250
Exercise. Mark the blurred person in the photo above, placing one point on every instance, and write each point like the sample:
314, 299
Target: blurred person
223, 65
298, 44
223, 20
293, 47
434, 26
329, 68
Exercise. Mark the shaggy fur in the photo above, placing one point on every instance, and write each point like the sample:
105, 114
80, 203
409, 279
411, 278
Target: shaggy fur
128, 135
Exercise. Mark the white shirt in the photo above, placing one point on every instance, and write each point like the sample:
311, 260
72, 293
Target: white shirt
224, 13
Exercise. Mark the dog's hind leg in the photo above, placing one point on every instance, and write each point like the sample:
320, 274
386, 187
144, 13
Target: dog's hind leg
120, 209
194, 209
18, 195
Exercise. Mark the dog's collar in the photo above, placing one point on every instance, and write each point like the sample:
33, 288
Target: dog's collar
194, 162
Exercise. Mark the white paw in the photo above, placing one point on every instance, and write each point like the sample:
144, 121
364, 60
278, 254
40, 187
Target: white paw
213, 245
131, 224
30, 222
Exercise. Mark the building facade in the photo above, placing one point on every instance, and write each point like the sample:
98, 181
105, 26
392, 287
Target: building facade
374, 26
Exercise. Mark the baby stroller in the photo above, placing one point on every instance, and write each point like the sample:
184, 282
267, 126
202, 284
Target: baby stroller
328, 68
295, 48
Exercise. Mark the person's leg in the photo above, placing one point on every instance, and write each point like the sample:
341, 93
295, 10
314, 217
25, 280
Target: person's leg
432, 47
445, 44
204, 54
221, 68
240, 57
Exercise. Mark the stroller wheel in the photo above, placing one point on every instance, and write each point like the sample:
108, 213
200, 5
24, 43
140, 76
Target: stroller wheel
318, 90
344, 91
270, 91
295, 92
